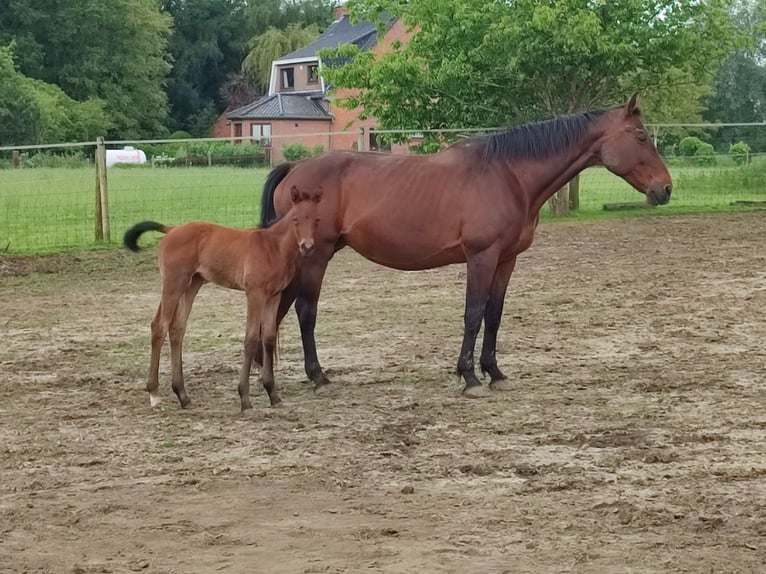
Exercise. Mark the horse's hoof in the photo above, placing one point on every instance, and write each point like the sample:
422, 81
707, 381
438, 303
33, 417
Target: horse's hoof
154, 400
277, 403
248, 412
476, 392
501, 385
186, 404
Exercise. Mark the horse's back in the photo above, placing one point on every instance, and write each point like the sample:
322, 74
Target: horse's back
214, 252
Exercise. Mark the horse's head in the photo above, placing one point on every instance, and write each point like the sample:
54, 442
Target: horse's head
305, 214
628, 151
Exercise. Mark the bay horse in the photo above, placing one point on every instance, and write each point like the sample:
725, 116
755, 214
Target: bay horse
476, 202
260, 262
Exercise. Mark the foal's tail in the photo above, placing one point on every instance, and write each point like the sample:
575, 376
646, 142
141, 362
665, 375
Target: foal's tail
268, 212
131, 235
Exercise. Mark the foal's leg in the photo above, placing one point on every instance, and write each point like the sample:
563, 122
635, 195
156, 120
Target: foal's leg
492, 316
481, 269
177, 332
312, 273
160, 325
286, 299
269, 341
252, 344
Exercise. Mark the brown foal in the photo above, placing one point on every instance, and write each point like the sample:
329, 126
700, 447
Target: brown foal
261, 262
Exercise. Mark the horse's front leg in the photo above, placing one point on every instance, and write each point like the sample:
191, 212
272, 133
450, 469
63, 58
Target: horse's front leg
269, 343
286, 299
492, 316
480, 269
252, 344
311, 275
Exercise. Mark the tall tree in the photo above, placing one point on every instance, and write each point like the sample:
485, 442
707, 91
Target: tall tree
739, 89
270, 46
115, 51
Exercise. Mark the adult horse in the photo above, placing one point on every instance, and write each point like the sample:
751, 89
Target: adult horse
478, 202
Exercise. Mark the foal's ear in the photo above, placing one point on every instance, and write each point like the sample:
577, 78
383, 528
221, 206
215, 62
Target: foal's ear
295, 195
634, 105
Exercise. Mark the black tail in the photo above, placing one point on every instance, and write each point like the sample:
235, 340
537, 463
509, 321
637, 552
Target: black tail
131, 235
268, 213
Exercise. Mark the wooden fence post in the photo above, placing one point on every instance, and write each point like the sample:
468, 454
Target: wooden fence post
16, 159
102, 196
360, 140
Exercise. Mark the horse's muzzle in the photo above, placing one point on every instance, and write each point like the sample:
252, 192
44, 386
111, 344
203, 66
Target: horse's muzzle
659, 194
306, 248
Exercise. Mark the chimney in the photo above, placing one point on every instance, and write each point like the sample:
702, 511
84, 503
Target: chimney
340, 11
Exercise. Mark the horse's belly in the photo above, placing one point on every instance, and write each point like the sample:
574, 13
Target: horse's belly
406, 250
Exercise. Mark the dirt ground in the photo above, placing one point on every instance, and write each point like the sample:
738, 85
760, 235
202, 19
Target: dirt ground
633, 442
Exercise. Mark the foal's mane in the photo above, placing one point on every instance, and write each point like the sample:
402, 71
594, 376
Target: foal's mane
539, 139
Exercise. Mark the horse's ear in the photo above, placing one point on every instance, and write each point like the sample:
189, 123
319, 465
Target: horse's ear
295, 195
634, 105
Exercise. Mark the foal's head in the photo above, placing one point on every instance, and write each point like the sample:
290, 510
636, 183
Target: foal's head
305, 215
627, 151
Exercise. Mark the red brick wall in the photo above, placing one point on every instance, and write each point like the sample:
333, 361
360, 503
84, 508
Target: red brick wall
308, 132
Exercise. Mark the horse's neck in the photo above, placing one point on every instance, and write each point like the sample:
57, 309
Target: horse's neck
544, 177
281, 240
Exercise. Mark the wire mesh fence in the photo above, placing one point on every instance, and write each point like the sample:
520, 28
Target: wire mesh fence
48, 194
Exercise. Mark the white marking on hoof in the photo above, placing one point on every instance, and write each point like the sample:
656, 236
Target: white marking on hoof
154, 400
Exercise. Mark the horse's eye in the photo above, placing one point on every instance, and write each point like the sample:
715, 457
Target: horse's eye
317, 221
295, 220
641, 135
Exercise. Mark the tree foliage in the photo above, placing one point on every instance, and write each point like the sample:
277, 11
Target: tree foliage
33, 111
497, 62
114, 51
739, 88
270, 46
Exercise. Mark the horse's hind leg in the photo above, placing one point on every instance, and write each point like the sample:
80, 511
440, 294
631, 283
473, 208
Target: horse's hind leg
159, 332
492, 316
177, 330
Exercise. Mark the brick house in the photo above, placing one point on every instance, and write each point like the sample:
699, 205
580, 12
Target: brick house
298, 107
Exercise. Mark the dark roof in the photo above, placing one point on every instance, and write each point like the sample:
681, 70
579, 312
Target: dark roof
339, 32
298, 106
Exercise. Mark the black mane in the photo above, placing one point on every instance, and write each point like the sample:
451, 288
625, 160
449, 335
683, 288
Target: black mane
535, 139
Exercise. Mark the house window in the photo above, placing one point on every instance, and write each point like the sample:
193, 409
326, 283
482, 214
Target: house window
288, 78
261, 133
313, 74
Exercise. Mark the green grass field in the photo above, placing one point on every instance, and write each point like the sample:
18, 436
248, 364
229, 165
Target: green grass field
52, 209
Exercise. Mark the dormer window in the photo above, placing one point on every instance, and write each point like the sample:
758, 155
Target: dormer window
313, 74
288, 78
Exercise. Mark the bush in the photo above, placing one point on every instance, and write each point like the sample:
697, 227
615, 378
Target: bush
317, 149
739, 152
295, 151
705, 154
180, 135
688, 146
